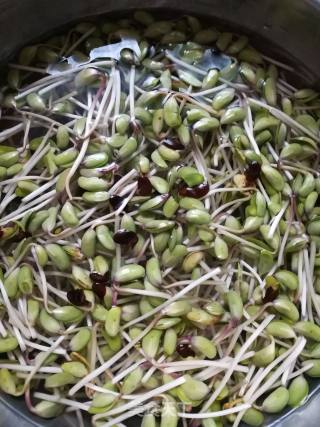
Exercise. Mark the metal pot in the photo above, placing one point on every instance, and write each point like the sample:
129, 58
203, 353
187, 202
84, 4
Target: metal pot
287, 26
288, 29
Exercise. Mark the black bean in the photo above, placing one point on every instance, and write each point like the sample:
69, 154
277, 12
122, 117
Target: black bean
144, 186
270, 295
77, 297
185, 350
174, 144
125, 237
197, 192
252, 172
99, 289
98, 278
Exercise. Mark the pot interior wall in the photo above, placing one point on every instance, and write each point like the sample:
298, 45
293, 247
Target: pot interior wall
289, 28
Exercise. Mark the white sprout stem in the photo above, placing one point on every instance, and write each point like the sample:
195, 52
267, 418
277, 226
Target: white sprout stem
28, 208
251, 137
20, 340
224, 230
38, 154
53, 86
75, 101
79, 417
82, 152
283, 245
208, 372
17, 262
151, 371
175, 297
198, 158
127, 371
44, 356
80, 40
48, 122
302, 286
230, 371
40, 347
105, 390
208, 91
34, 88
289, 86
236, 202
131, 92
105, 63
5, 134
247, 380
278, 63
216, 414
193, 364
25, 136
238, 86
69, 232
217, 152
128, 360
248, 113
28, 368
184, 64
286, 374
40, 190
117, 100
13, 317
43, 280
131, 174
292, 356
188, 97
277, 219
58, 399
216, 172
277, 158
223, 180
263, 192
111, 103
45, 339
285, 118
28, 68
264, 373
101, 107
110, 362
310, 289
143, 292
299, 371
228, 190
125, 349
28, 177
313, 250
146, 396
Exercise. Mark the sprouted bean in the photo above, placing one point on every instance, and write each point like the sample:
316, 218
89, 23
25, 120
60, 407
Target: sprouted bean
160, 227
